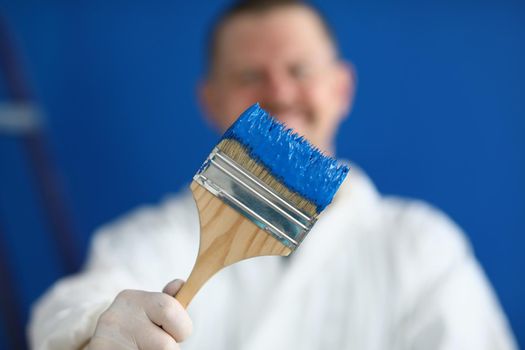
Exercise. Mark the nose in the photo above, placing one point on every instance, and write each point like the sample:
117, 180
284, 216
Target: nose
280, 90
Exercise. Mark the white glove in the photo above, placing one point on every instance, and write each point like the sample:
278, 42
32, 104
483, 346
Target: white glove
143, 320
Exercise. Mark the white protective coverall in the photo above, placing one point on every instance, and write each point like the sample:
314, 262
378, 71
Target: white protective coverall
374, 273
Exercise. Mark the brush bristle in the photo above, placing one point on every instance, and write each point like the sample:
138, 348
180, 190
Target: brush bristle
239, 154
283, 160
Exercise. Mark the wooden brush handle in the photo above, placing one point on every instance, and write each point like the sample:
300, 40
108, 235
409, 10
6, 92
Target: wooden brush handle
226, 237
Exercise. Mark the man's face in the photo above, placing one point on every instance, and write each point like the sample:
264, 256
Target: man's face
283, 59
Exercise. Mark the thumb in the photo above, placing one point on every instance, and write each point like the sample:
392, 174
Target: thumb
173, 287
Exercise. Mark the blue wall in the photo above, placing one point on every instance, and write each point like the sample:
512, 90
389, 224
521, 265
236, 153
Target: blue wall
439, 115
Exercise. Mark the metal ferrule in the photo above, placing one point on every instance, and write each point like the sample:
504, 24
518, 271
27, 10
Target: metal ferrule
254, 199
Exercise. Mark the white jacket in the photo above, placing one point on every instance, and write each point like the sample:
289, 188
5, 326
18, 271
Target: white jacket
374, 273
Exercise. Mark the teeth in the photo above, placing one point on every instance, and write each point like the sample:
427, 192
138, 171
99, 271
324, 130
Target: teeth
292, 120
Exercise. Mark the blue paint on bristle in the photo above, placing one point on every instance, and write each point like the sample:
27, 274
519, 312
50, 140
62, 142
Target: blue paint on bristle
289, 157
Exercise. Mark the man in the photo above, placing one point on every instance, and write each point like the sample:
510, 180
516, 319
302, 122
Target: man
375, 272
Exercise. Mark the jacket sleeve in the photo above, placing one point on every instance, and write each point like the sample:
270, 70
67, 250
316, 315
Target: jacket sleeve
142, 251
450, 303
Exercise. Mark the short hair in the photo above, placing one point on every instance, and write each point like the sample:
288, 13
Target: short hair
242, 7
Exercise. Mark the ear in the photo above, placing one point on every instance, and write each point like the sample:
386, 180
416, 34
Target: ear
346, 86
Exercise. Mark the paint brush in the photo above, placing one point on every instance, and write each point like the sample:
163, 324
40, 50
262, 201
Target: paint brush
258, 193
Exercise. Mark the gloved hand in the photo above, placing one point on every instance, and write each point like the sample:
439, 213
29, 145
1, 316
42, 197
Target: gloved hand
143, 320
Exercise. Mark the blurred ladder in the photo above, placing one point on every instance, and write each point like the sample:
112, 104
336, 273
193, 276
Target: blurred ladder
20, 118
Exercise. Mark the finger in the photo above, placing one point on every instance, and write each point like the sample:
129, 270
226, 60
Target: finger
152, 337
166, 312
173, 287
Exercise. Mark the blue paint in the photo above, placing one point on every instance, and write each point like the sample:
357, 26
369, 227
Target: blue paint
289, 157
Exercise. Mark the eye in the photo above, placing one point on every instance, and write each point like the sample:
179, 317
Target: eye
300, 71
249, 77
